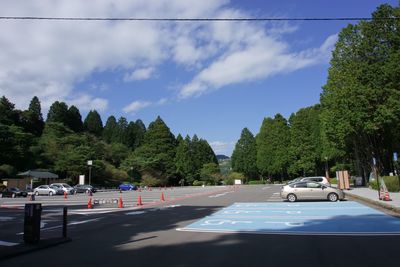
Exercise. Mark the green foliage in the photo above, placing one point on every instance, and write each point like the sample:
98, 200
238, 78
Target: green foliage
58, 112
244, 156
361, 103
273, 147
32, 118
305, 148
391, 182
93, 123
8, 115
198, 183
7, 171
74, 119
109, 130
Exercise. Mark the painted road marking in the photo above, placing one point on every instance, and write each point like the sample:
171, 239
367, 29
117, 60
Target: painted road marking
267, 187
135, 213
7, 244
6, 218
319, 218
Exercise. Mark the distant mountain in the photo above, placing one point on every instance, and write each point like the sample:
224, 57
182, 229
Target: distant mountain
222, 157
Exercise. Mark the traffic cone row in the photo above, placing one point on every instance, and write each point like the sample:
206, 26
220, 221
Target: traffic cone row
89, 204
120, 203
139, 201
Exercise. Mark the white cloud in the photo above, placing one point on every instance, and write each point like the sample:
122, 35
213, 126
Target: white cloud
221, 147
48, 58
87, 102
139, 74
135, 106
261, 59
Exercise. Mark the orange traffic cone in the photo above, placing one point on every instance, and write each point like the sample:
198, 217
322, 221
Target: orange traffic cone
65, 195
162, 196
120, 203
387, 197
139, 201
381, 194
89, 204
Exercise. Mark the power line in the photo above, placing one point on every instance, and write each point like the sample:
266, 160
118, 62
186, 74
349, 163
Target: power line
194, 19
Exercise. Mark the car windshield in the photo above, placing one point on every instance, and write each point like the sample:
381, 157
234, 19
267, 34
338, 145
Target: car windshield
67, 185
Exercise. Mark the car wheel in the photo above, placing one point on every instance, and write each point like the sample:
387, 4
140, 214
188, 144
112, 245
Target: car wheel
333, 197
292, 198
13, 195
37, 193
50, 193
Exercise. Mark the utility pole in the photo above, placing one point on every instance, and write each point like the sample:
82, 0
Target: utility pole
90, 163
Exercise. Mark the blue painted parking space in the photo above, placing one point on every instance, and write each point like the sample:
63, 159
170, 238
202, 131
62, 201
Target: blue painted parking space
323, 218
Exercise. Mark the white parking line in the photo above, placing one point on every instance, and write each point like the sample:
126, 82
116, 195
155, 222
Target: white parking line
7, 244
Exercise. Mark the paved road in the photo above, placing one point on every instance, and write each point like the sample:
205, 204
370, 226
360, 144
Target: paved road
148, 237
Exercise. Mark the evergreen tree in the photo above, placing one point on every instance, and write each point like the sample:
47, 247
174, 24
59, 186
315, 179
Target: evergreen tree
93, 123
184, 161
244, 156
74, 121
305, 137
157, 153
120, 135
33, 119
264, 150
8, 115
141, 130
58, 112
110, 129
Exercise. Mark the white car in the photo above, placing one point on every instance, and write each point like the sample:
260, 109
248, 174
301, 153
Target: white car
45, 190
309, 190
65, 187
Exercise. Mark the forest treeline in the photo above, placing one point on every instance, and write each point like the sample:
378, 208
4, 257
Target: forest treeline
121, 151
356, 122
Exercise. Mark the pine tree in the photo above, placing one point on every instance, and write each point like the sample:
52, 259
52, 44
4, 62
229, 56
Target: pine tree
93, 123
110, 129
244, 156
8, 115
74, 121
58, 112
33, 119
183, 160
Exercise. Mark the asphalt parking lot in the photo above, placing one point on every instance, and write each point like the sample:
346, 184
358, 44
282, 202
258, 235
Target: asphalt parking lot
151, 235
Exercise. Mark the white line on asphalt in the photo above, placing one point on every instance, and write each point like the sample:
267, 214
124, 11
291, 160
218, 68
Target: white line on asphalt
6, 218
267, 187
135, 213
7, 244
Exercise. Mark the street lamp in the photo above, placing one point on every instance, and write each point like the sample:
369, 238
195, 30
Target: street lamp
90, 163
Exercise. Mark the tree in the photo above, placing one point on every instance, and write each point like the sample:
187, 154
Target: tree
244, 156
361, 103
33, 119
264, 150
184, 161
74, 119
58, 112
109, 129
156, 155
8, 115
210, 173
305, 141
93, 123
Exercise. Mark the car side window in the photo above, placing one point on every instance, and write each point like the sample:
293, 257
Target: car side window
300, 185
313, 185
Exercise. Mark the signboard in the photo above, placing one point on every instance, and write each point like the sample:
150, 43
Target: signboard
81, 179
90, 162
237, 181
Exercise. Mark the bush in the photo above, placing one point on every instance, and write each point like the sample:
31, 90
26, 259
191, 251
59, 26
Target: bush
256, 182
391, 182
198, 183
334, 180
229, 181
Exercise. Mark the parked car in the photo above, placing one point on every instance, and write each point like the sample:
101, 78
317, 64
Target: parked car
65, 187
310, 191
318, 179
48, 190
85, 188
127, 186
13, 192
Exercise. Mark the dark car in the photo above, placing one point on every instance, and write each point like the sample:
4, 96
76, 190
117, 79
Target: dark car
13, 192
126, 187
85, 188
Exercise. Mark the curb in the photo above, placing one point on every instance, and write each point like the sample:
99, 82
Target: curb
21, 249
375, 202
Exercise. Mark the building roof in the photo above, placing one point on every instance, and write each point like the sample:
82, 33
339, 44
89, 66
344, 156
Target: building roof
38, 174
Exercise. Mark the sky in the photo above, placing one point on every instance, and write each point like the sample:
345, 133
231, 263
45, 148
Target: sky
207, 78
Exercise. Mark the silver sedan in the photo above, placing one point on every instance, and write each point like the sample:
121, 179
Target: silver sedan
310, 191
45, 190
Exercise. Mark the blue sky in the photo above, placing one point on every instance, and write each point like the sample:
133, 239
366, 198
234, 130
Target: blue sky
206, 78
